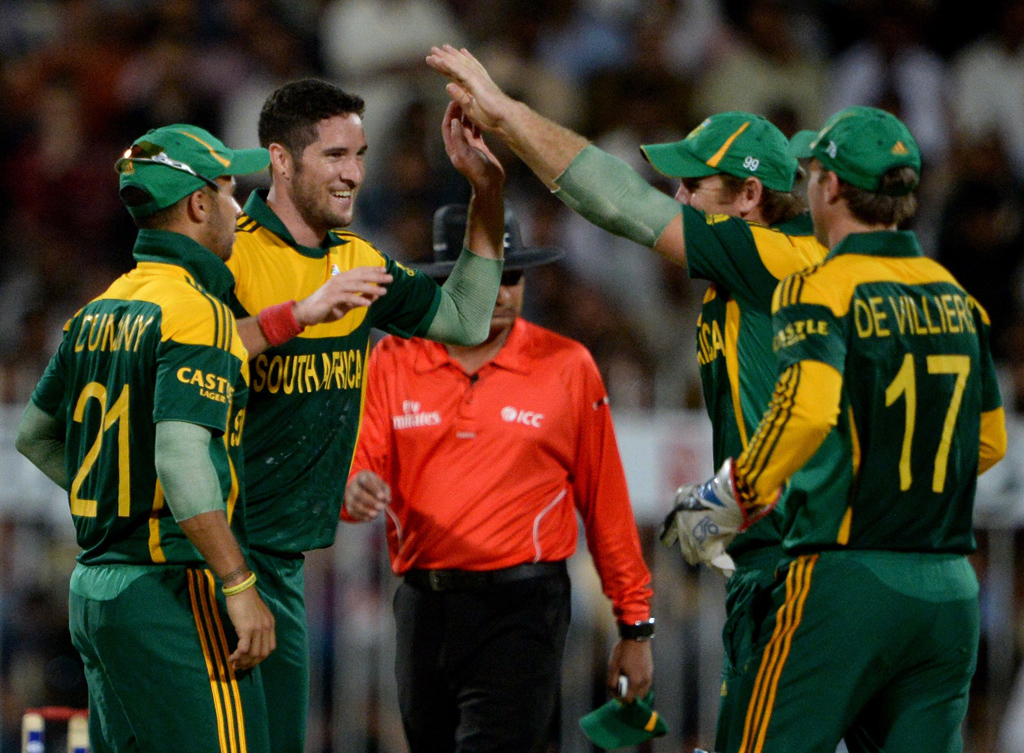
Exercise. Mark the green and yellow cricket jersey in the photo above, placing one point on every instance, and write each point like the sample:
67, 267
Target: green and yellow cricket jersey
159, 345
307, 395
907, 351
744, 263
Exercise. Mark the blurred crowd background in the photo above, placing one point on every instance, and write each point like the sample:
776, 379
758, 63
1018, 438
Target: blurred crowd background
80, 79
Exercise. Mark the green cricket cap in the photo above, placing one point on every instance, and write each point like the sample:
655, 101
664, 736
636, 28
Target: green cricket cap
737, 143
170, 162
620, 725
800, 141
861, 144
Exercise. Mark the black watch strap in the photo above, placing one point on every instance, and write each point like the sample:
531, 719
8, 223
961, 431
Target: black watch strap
641, 630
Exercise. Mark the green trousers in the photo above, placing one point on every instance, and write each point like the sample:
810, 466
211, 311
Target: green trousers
880, 643
155, 660
747, 603
281, 583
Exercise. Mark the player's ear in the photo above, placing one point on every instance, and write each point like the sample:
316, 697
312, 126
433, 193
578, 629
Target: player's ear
281, 161
832, 187
198, 205
750, 195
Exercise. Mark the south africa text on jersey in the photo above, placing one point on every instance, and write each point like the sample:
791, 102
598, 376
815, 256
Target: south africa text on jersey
311, 372
710, 343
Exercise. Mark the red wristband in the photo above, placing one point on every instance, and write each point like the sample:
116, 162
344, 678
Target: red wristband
278, 323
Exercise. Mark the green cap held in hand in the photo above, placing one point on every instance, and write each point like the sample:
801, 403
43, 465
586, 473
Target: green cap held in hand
620, 725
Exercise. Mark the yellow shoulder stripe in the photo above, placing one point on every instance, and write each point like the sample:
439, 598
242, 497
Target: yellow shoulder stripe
833, 283
783, 255
188, 314
192, 317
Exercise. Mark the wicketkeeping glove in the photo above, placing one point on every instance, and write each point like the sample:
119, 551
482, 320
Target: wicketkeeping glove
705, 518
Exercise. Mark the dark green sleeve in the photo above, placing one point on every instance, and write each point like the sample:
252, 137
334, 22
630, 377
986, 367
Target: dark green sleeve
408, 308
43, 440
49, 394
808, 332
194, 383
722, 249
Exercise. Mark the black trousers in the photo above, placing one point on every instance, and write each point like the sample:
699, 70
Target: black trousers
479, 671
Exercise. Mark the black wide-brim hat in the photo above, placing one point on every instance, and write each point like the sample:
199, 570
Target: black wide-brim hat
450, 233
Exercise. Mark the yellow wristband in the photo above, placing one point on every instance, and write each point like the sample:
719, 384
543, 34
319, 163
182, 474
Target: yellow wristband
238, 588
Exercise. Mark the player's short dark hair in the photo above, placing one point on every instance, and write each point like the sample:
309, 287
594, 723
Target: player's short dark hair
290, 115
882, 208
776, 206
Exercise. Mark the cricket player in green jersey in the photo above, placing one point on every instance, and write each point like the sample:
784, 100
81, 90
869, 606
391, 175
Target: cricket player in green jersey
885, 411
744, 249
139, 416
735, 222
307, 293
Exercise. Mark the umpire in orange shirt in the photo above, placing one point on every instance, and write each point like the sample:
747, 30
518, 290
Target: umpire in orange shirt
481, 457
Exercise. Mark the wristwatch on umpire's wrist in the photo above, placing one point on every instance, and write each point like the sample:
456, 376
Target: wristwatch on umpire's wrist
641, 630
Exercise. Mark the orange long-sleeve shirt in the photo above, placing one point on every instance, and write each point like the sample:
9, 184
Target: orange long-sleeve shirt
487, 471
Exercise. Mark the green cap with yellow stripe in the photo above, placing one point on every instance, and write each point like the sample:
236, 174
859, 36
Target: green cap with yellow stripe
170, 162
860, 145
736, 143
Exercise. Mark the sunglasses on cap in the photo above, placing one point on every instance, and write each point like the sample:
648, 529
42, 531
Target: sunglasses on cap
154, 154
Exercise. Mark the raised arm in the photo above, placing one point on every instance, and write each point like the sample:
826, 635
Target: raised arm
600, 187
470, 155
468, 295
546, 147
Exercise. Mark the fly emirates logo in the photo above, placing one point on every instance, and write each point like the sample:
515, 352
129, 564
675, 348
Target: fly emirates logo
412, 416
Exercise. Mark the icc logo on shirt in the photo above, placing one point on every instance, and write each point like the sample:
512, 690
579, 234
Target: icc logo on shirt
526, 417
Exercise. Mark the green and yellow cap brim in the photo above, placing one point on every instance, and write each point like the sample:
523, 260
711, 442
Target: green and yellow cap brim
675, 161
